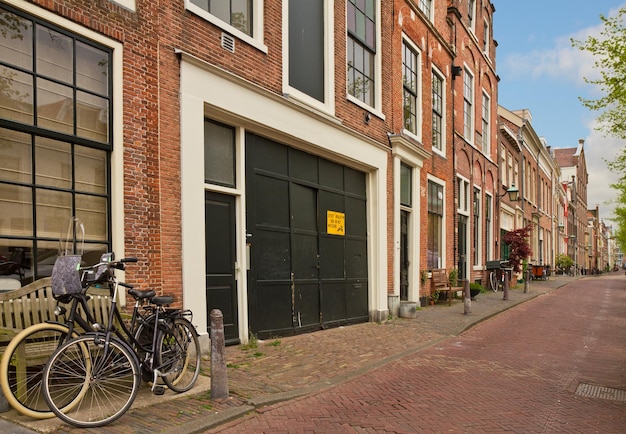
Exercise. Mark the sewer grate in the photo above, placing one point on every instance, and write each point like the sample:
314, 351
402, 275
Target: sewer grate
602, 392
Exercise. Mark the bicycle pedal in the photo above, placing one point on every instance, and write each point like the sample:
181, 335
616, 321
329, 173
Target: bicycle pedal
158, 390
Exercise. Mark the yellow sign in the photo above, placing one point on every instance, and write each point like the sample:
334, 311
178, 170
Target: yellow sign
335, 223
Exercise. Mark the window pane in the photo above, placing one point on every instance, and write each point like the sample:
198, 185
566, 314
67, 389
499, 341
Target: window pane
16, 98
16, 40
54, 209
219, 154
92, 211
306, 47
90, 170
53, 160
241, 15
55, 107
92, 113
55, 55
92, 69
17, 210
405, 185
16, 161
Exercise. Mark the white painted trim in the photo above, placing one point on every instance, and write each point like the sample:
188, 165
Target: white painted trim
257, 24
206, 90
117, 156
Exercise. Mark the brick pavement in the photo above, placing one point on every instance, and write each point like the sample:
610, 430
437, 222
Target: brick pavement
285, 368
522, 371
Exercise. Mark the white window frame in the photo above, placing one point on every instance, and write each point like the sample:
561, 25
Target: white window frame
328, 105
419, 107
442, 77
477, 262
442, 183
468, 130
489, 226
486, 37
377, 109
486, 122
471, 14
426, 6
256, 40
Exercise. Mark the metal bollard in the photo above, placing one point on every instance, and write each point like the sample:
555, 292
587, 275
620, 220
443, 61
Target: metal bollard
526, 283
219, 375
507, 282
467, 300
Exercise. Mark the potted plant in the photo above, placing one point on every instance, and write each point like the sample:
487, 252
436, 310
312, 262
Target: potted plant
453, 277
475, 289
434, 296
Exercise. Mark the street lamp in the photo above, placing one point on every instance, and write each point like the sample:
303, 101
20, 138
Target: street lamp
513, 193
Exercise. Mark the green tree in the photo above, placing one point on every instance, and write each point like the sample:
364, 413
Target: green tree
608, 50
610, 60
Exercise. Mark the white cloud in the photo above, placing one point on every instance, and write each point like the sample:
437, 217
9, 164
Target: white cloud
561, 61
599, 149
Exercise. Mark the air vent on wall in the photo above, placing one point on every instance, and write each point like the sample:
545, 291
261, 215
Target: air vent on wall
228, 42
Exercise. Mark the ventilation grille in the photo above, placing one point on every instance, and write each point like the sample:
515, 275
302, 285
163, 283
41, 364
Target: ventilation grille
228, 42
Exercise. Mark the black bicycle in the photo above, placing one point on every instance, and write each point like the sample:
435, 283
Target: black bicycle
93, 379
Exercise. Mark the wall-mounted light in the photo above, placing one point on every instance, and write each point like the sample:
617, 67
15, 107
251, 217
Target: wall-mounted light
513, 193
456, 71
366, 118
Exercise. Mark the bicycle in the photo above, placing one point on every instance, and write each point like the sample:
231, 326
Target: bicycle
496, 277
21, 382
93, 379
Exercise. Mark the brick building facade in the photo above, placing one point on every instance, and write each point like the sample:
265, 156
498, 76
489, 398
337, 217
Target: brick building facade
298, 165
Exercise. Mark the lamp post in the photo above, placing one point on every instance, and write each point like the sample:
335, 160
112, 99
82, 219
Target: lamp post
513, 193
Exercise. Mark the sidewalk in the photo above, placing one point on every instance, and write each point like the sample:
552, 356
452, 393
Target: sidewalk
284, 368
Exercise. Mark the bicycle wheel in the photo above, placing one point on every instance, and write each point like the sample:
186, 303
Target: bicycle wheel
143, 346
23, 363
178, 355
111, 373
493, 281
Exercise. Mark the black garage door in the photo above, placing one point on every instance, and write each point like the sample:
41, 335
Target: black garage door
306, 220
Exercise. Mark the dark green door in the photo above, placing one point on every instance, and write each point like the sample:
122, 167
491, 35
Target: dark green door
303, 276
221, 286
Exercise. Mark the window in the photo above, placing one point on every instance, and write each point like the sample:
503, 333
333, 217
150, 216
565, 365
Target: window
242, 19
55, 129
425, 6
476, 228
488, 226
463, 188
471, 15
438, 107
486, 37
219, 154
306, 47
406, 182
435, 225
361, 50
468, 105
486, 125
237, 13
410, 83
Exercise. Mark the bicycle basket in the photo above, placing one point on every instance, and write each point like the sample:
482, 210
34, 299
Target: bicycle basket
65, 276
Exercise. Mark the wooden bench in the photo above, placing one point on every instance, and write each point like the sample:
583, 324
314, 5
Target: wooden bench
440, 282
33, 304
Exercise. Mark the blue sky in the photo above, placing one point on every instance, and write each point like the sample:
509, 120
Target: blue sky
540, 70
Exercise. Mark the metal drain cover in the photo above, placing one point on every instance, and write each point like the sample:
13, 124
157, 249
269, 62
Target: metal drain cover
602, 392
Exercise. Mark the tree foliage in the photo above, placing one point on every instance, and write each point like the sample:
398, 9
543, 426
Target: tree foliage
519, 248
610, 60
608, 50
